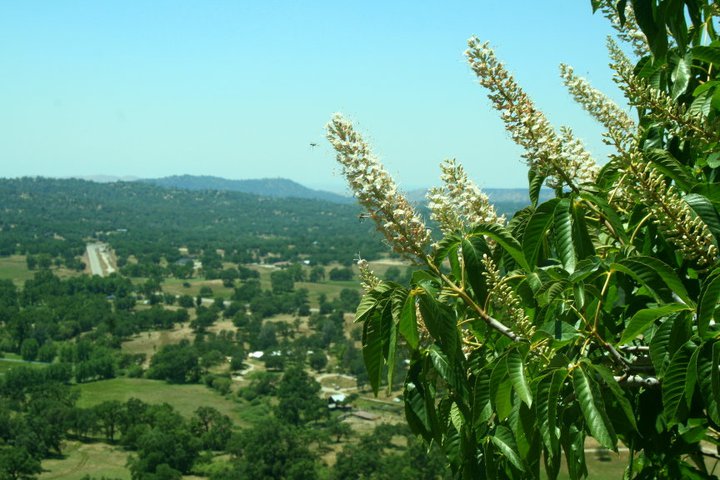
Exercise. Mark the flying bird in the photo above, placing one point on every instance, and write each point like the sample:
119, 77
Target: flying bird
313, 145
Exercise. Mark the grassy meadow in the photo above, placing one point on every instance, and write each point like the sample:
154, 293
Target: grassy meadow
184, 398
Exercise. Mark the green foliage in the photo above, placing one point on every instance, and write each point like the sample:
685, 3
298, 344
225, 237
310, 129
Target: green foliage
271, 449
177, 363
591, 314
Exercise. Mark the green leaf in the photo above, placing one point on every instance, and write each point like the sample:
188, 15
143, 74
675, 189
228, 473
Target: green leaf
656, 275
547, 403
504, 440
376, 332
535, 182
710, 54
535, 231
440, 322
482, 409
473, 249
673, 382
691, 379
646, 317
369, 302
456, 417
501, 389
653, 29
681, 78
563, 230
713, 160
516, 370
617, 392
408, 322
416, 413
668, 338
445, 369
608, 214
706, 211
583, 244
573, 443
666, 163
709, 381
708, 302
593, 409
505, 239
447, 244
715, 372
700, 107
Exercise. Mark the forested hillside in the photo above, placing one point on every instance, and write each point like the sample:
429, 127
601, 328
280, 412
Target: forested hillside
41, 215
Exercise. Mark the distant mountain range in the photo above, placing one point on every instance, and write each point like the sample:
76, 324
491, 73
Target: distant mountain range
268, 187
506, 200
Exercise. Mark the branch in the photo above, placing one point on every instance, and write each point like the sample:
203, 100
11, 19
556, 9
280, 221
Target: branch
490, 321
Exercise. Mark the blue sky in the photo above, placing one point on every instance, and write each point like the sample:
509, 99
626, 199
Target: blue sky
240, 89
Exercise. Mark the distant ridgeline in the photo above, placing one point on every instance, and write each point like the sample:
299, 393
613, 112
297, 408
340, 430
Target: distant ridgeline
269, 187
57, 216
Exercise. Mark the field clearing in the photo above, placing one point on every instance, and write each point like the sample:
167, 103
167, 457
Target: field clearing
184, 398
15, 268
81, 459
174, 286
12, 361
149, 342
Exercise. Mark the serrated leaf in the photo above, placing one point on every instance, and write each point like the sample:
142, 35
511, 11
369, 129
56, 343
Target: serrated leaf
369, 302
668, 338
691, 379
709, 381
563, 235
408, 322
584, 247
706, 211
416, 413
547, 405
536, 229
593, 409
680, 78
617, 392
646, 317
376, 330
573, 443
445, 246
440, 322
708, 302
673, 382
667, 164
505, 239
608, 213
535, 182
656, 275
445, 369
700, 107
516, 371
504, 440
501, 389
710, 54
482, 409
473, 249
456, 417
715, 372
